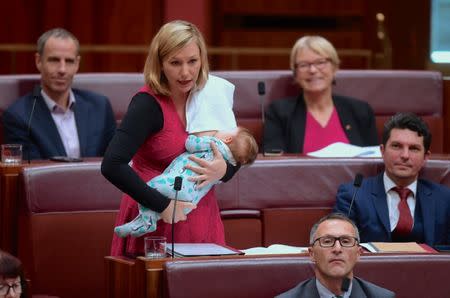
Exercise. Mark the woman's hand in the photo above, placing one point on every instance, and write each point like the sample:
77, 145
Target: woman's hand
166, 215
208, 171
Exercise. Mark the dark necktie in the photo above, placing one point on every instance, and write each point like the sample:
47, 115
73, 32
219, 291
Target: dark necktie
405, 220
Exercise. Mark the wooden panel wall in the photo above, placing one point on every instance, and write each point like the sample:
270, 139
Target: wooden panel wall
408, 25
349, 24
114, 22
280, 23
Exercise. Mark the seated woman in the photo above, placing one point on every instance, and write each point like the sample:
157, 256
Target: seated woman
12, 282
317, 118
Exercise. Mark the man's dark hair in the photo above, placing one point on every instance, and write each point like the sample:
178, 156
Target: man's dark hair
408, 121
11, 267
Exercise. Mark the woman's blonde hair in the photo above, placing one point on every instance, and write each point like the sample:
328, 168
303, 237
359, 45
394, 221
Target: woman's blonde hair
171, 38
319, 45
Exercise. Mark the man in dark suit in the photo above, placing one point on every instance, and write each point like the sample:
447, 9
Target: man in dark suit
334, 250
396, 205
64, 121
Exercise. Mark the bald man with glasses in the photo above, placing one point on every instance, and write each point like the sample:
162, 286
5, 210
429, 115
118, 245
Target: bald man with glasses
334, 249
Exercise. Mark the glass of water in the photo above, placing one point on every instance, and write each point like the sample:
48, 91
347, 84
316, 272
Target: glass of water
11, 154
155, 247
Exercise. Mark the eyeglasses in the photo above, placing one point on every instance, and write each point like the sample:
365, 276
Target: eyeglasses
330, 241
5, 288
318, 64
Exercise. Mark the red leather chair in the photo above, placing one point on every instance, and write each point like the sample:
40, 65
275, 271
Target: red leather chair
66, 224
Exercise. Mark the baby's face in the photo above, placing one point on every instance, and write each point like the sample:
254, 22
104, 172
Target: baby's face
225, 135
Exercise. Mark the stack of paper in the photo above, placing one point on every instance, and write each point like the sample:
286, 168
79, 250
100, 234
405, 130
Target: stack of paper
275, 249
346, 150
200, 249
397, 247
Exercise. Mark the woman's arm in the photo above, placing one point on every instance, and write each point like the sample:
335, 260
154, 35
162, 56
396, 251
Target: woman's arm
231, 170
135, 128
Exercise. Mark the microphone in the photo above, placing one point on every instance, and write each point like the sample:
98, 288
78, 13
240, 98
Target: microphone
177, 187
262, 92
356, 184
177, 184
35, 94
346, 281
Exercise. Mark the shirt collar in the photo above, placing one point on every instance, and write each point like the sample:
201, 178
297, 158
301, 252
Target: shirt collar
389, 184
53, 106
325, 293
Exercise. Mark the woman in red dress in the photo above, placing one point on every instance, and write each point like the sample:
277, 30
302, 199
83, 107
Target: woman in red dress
153, 133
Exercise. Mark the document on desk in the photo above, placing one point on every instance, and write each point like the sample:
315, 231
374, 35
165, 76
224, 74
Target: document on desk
340, 149
275, 249
201, 249
397, 247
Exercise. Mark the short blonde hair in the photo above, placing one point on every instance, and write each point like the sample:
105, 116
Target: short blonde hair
171, 38
244, 147
319, 45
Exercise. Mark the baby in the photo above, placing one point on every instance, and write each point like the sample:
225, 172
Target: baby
236, 144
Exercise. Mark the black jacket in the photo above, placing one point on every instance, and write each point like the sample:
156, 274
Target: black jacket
285, 122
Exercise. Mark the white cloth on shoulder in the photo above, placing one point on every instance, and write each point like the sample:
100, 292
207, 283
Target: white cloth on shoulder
211, 108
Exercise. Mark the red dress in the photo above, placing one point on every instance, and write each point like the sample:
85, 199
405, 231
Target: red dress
203, 224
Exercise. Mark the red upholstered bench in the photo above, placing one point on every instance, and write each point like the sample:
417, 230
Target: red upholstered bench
388, 92
66, 221
68, 211
410, 276
278, 200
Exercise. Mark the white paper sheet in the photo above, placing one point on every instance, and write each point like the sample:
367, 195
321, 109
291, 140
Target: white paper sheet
346, 150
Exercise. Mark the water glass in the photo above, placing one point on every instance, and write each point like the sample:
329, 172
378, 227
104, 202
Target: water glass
155, 247
11, 154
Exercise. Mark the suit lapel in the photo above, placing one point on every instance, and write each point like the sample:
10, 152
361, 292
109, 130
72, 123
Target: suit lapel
345, 117
380, 203
42, 121
427, 205
357, 291
81, 112
309, 289
297, 125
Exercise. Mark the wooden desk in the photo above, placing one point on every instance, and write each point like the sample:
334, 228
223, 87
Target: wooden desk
9, 191
142, 277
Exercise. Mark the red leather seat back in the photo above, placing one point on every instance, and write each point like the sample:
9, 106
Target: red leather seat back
388, 92
66, 224
410, 276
